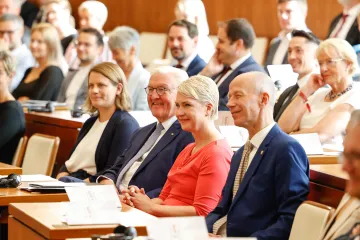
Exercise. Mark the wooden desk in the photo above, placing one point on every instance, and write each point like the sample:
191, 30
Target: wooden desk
327, 183
323, 159
58, 123
35, 221
6, 169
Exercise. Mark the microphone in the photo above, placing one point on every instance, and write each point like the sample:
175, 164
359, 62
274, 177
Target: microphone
11, 181
127, 231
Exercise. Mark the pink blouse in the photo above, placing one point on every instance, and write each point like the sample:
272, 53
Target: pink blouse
197, 180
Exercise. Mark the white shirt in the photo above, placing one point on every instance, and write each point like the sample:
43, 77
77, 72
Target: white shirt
282, 49
75, 85
137, 82
186, 63
129, 174
24, 60
353, 12
233, 66
301, 83
83, 156
205, 47
320, 108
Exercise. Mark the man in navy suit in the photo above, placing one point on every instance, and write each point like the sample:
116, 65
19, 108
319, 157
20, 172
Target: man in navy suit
269, 176
346, 24
182, 42
233, 57
151, 169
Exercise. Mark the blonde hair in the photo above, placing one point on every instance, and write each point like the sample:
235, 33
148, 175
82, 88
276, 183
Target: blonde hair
52, 41
8, 62
202, 89
114, 73
98, 9
342, 48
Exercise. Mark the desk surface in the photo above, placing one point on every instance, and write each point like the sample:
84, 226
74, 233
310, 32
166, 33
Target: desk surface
6, 169
45, 219
60, 118
323, 159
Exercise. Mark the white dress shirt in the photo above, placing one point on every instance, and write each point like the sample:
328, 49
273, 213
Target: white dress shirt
137, 82
353, 12
186, 63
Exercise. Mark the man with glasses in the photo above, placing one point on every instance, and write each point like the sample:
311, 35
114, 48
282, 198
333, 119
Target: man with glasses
11, 32
347, 216
153, 148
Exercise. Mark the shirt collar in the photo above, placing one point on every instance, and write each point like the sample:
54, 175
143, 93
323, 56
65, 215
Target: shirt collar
353, 11
283, 34
167, 124
240, 61
186, 63
259, 137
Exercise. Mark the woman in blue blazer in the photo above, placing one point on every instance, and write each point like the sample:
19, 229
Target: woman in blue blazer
106, 135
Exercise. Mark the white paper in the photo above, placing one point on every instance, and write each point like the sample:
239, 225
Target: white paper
236, 136
224, 119
310, 142
283, 74
178, 228
57, 184
37, 178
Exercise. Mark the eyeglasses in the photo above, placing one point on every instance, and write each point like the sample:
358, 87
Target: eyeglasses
330, 62
160, 90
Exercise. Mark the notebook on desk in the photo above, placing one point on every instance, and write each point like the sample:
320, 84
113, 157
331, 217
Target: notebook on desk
49, 187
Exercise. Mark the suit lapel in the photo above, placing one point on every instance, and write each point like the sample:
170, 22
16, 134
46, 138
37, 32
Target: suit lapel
259, 155
168, 137
291, 94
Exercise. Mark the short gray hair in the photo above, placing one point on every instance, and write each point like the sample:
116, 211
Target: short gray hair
178, 74
8, 17
202, 89
124, 37
98, 9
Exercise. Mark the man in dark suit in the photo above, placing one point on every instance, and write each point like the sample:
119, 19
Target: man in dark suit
291, 15
150, 170
269, 176
302, 58
346, 25
232, 57
182, 42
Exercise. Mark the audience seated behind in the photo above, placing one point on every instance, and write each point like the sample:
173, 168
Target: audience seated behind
43, 81
272, 168
194, 182
343, 223
74, 88
347, 28
12, 29
328, 109
194, 12
291, 16
106, 135
232, 56
182, 42
124, 43
302, 58
148, 167
92, 14
12, 119
29, 12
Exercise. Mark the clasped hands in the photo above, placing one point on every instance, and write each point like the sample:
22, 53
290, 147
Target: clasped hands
136, 197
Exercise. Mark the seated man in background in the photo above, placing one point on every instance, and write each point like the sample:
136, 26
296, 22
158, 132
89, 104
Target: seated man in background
269, 176
124, 43
347, 214
14, 7
292, 16
11, 32
182, 43
302, 58
233, 57
153, 149
74, 88
92, 14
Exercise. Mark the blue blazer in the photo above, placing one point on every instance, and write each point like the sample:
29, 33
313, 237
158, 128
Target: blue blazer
196, 66
152, 173
113, 141
275, 184
249, 65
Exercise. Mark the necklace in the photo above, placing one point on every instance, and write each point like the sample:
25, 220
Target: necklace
333, 95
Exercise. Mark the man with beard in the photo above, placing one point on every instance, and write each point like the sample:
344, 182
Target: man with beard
182, 42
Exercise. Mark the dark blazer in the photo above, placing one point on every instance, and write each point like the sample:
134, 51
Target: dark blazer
248, 66
353, 36
281, 105
152, 173
65, 42
113, 141
275, 184
274, 45
196, 66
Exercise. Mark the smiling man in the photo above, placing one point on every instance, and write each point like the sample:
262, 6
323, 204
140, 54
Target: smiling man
302, 58
153, 148
182, 42
269, 176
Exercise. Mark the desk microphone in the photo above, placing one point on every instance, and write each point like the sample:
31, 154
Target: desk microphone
11, 181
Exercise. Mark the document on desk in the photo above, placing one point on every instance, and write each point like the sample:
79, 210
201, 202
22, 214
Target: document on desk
310, 142
92, 205
178, 228
236, 136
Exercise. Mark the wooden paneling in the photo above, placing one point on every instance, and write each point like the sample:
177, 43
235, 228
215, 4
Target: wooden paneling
155, 15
